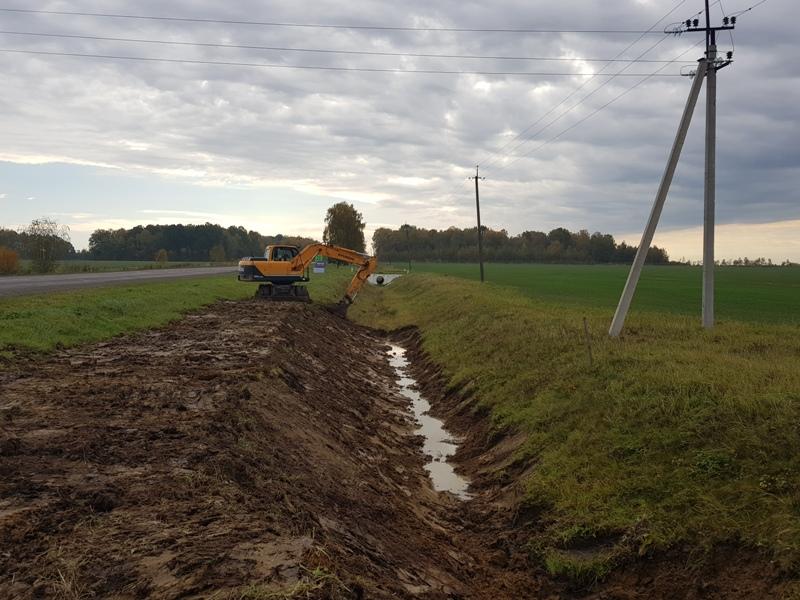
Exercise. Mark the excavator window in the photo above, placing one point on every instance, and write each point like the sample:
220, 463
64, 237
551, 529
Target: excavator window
284, 254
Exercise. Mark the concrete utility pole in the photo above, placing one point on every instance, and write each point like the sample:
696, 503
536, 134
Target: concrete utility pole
707, 69
710, 179
709, 188
658, 205
478, 209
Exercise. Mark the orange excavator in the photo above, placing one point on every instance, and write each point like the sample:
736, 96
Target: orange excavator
283, 269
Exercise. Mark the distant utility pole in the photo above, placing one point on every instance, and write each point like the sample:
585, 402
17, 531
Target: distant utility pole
707, 69
478, 209
407, 227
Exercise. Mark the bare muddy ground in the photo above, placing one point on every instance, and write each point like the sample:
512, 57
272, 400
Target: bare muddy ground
255, 449
249, 448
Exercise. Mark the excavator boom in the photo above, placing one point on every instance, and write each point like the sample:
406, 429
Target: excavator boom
283, 268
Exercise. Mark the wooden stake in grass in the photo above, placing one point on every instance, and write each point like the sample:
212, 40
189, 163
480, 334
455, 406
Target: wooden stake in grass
588, 340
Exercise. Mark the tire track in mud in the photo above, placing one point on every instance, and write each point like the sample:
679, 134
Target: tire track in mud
250, 447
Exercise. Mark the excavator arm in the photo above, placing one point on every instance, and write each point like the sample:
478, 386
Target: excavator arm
366, 264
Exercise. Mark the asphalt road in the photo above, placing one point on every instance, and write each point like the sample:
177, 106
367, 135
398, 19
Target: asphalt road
38, 284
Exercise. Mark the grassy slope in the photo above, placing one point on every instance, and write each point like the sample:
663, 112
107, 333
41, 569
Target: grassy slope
743, 293
42, 322
675, 435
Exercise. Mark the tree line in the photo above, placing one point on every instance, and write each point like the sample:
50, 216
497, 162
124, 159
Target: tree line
182, 243
461, 245
45, 242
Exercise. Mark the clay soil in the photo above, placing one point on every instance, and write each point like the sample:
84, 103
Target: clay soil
258, 450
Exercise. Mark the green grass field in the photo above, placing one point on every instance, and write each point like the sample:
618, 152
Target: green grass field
675, 435
743, 293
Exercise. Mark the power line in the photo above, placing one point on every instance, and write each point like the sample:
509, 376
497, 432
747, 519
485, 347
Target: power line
306, 67
741, 12
594, 112
319, 50
316, 25
680, 3
613, 76
584, 84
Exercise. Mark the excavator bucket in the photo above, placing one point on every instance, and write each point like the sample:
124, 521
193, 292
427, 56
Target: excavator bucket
283, 293
339, 309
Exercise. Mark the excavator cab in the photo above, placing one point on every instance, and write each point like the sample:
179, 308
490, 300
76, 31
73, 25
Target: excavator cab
282, 253
277, 273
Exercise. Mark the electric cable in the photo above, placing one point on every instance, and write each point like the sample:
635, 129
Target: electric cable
612, 76
314, 25
604, 106
741, 12
306, 67
580, 87
319, 50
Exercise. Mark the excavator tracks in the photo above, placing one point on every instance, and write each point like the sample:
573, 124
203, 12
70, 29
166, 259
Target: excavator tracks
283, 293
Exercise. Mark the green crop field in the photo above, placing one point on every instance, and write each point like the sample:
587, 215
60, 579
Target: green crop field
768, 294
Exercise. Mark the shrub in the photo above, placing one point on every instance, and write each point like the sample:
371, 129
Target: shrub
9, 261
47, 242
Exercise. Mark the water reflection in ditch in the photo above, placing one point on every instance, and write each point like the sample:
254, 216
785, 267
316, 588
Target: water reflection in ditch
438, 443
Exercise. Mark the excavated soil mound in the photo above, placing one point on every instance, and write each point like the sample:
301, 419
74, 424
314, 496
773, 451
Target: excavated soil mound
247, 449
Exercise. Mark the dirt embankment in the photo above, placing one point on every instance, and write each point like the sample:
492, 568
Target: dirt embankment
249, 448
253, 449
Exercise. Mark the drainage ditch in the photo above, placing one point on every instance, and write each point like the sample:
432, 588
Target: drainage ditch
439, 444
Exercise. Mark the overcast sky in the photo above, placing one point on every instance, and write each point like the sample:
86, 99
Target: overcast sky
115, 143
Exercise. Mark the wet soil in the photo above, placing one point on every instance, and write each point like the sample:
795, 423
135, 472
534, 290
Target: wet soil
261, 448
251, 447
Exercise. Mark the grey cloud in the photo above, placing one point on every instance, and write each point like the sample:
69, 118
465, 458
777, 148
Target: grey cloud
317, 126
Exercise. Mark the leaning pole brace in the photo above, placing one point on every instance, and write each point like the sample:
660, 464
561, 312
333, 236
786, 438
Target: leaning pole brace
666, 180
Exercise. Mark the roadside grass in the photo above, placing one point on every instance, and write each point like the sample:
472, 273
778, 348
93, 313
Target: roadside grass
761, 294
675, 436
47, 321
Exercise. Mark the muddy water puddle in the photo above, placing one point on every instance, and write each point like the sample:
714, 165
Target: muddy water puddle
439, 444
